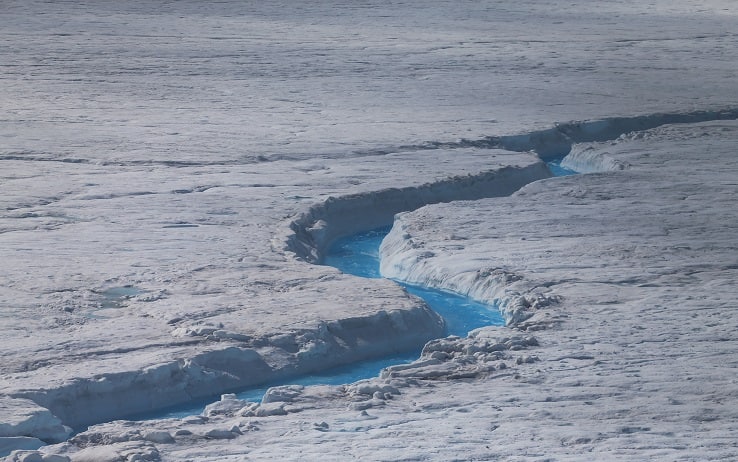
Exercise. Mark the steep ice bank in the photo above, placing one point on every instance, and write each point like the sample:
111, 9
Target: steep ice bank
82, 402
639, 355
587, 159
307, 236
359, 255
312, 232
606, 284
405, 259
238, 426
22, 418
402, 258
557, 141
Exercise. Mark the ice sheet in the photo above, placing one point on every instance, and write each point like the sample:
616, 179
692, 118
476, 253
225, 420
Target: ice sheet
187, 151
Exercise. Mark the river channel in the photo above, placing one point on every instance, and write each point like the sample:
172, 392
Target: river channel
358, 255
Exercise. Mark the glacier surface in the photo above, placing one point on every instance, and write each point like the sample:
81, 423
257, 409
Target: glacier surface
172, 171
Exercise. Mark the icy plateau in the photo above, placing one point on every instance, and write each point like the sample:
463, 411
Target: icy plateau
172, 173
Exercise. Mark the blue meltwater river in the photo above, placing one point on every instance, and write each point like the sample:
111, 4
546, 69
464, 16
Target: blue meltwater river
359, 255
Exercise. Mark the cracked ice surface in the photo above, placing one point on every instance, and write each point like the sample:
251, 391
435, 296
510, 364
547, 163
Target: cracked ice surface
161, 161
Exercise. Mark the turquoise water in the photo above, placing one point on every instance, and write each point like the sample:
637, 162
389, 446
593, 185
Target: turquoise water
335, 376
359, 255
557, 170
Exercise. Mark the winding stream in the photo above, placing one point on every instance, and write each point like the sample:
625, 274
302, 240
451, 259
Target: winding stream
358, 255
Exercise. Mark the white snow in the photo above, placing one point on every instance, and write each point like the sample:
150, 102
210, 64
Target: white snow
170, 171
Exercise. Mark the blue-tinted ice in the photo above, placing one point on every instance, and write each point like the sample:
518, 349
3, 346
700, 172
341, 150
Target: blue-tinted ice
557, 170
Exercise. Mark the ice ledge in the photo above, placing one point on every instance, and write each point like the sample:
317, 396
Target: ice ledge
26, 425
309, 235
23, 417
558, 140
403, 258
588, 159
84, 401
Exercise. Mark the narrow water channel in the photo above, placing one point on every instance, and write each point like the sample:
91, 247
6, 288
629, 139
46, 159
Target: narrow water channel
359, 255
556, 169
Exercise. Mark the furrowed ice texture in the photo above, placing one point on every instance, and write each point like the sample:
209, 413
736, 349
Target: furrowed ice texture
165, 168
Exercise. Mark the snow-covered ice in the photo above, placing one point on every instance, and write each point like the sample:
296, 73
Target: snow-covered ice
628, 279
170, 172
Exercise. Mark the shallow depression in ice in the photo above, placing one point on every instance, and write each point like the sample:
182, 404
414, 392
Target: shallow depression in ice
116, 296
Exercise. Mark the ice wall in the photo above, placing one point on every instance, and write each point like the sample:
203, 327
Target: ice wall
22, 418
85, 401
313, 231
404, 259
556, 141
307, 236
587, 159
